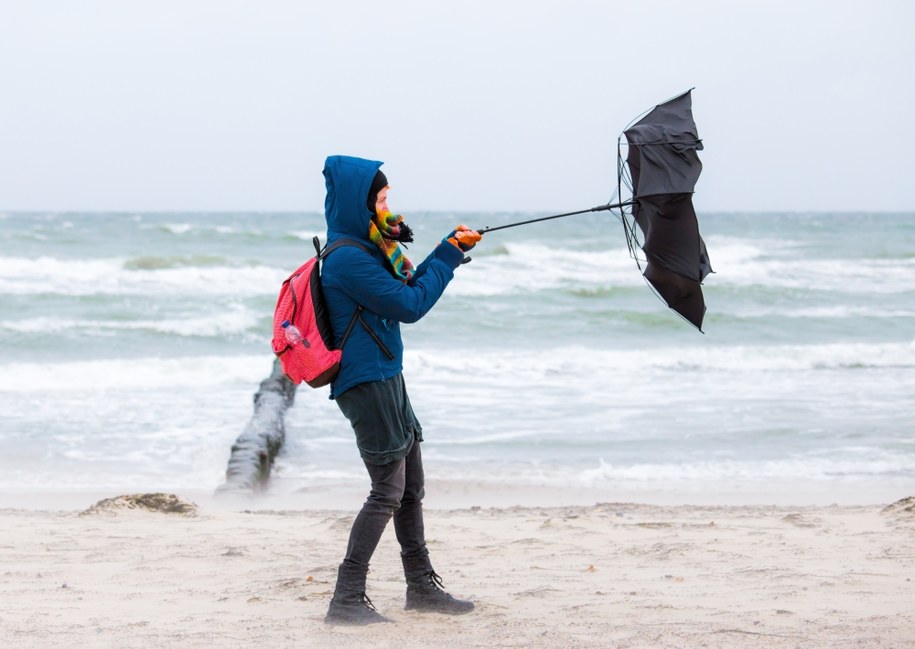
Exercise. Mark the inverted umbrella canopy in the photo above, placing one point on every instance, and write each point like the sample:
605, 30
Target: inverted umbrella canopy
664, 167
661, 170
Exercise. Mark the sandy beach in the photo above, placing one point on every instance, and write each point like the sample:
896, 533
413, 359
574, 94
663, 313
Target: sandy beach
623, 575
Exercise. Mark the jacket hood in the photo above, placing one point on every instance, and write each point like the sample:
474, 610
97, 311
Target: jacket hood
348, 181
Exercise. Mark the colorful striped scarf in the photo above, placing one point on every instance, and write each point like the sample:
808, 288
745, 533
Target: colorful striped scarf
385, 231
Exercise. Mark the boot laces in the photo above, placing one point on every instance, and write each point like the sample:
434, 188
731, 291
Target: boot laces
436, 580
368, 602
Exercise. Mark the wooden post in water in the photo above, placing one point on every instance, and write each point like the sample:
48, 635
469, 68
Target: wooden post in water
254, 450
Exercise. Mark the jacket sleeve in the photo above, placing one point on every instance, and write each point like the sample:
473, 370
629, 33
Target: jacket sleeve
366, 279
443, 251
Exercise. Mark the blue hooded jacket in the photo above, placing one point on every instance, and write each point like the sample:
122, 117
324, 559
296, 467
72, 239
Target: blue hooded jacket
352, 276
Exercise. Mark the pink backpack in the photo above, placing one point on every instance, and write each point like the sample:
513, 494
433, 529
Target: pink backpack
307, 352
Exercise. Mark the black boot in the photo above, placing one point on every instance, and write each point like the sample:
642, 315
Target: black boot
425, 592
350, 605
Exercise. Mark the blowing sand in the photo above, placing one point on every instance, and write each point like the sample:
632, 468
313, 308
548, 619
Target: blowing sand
611, 575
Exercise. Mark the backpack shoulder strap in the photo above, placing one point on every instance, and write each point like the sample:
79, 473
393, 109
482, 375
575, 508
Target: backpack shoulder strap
339, 243
357, 314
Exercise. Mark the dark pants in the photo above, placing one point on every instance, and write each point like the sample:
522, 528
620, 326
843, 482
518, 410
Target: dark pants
397, 490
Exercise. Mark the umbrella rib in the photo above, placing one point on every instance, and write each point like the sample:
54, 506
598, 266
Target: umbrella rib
660, 142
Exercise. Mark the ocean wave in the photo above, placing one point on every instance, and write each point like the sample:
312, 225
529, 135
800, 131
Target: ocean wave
778, 263
512, 268
180, 229
233, 319
708, 473
834, 312
758, 476
528, 267
270, 227
177, 228
562, 367
833, 275
308, 235
123, 374
534, 267
864, 463
152, 262
577, 361
115, 276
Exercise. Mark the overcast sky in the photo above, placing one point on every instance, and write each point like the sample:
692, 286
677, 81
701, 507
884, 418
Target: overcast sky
492, 105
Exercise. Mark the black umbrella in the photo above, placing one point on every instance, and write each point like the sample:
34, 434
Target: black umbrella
663, 168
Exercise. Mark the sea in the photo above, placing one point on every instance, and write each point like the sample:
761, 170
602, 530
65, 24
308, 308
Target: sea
131, 345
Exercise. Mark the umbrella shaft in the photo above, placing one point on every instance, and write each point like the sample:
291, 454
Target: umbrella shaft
599, 208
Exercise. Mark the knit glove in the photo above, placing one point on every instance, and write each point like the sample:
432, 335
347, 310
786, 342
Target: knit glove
463, 238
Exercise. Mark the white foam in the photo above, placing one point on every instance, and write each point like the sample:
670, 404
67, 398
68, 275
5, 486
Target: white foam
45, 275
178, 228
703, 477
530, 267
436, 368
869, 463
835, 312
562, 362
182, 228
233, 319
837, 275
729, 251
523, 268
124, 374
308, 235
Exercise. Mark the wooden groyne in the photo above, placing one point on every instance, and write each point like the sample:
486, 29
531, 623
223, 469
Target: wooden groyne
262, 438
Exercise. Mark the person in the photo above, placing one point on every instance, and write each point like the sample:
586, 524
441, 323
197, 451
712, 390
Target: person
370, 388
